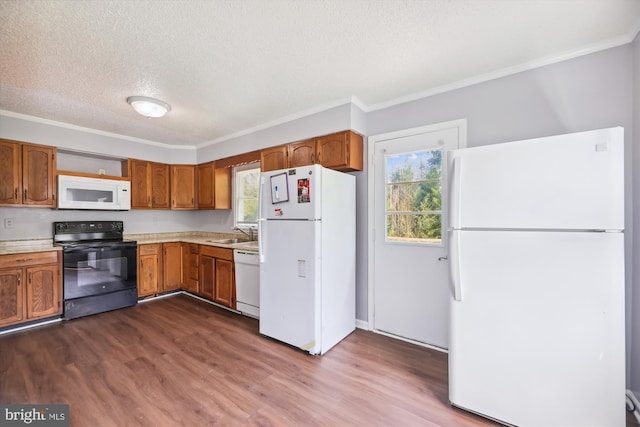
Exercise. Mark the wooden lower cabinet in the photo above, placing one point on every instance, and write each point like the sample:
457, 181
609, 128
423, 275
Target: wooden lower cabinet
149, 269
172, 266
191, 267
30, 287
207, 271
224, 291
217, 275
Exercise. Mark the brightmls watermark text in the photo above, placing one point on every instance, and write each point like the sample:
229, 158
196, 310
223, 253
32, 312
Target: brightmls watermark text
34, 415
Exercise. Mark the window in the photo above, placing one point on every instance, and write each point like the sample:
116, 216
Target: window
414, 197
246, 180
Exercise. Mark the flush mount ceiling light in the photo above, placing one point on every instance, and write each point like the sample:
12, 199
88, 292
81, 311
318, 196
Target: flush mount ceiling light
149, 107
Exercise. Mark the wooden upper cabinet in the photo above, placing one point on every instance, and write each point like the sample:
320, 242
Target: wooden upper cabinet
302, 153
149, 185
206, 186
27, 174
222, 181
38, 174
274, 158
340, 151
140, 184
183, 187
10, 173
160, 178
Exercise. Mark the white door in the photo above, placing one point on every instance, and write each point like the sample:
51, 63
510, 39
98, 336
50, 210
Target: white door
289, 295
409, 282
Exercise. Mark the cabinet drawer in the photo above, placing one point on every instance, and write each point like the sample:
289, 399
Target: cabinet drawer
27, 259
216, 252
151, 249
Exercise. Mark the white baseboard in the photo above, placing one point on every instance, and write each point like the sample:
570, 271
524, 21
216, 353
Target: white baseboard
362, 324
632, 397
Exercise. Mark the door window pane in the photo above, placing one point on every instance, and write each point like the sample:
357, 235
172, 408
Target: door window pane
414, 197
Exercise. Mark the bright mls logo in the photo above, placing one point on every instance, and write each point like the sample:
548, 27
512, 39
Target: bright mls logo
36, 415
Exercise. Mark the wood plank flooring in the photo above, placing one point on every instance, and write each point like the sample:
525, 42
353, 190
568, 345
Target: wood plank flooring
181, 362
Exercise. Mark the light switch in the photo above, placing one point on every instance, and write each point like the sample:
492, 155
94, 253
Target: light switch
8, 223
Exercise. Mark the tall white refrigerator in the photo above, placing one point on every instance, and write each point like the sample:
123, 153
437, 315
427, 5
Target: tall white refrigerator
537, 333
307, 256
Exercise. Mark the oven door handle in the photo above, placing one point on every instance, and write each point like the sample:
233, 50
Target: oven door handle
102, 247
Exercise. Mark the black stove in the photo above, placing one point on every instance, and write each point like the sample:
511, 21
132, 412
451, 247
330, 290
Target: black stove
100, 267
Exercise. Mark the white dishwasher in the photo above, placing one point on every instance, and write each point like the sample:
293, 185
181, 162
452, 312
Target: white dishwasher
247, 265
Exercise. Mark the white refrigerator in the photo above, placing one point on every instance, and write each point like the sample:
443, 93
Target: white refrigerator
307, 257
537, 333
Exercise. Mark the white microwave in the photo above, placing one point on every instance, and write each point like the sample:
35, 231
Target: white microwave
78, 192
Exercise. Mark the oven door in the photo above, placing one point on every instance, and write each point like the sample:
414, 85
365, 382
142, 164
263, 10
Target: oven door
99, 269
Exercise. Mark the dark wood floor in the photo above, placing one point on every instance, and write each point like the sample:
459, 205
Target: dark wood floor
181, 362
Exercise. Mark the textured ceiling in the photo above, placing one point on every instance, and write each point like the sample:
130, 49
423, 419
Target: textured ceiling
226, 66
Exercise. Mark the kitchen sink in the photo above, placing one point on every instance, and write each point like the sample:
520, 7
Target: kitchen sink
228, 241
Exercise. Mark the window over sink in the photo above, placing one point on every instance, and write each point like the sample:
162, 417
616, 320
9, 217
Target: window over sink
245, 201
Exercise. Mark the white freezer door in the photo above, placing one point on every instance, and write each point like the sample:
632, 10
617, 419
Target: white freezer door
573, 181
291, 193
290, 283
537, 338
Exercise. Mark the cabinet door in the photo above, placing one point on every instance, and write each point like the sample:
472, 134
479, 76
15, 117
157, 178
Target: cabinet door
11, 296
172, 261
190, 267
274, 158
341, 151
222, 182
38, 164
43, 291
160, 186
225, 289
183, 187
149, 269
207, 276
10, 173
206, 186
140, 184
302, 153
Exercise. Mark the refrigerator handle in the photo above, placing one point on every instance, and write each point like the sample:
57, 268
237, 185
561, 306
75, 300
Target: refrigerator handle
454, 264
454, 205
261, 231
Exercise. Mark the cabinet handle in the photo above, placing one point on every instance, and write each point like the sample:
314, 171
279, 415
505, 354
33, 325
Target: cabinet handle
19, 279
25, 194
29, 278
53, 196
16, 193
312, 158
24, 260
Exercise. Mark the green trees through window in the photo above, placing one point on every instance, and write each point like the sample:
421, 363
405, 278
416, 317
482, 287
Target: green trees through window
247, 182
414, 196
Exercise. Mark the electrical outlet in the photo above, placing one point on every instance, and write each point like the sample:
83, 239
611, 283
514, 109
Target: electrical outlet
8, 223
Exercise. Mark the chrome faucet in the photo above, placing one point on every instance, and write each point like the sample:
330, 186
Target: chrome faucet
250, 234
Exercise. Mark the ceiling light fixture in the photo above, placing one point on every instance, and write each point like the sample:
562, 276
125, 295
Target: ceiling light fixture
149, 107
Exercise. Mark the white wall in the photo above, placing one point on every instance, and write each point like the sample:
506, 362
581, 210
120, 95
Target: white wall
77, 139
634, 325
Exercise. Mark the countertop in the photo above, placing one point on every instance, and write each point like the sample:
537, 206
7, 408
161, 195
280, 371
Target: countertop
8, 247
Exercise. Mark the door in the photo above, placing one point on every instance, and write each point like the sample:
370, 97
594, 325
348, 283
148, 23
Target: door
539, 320
409, 280
289, 283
